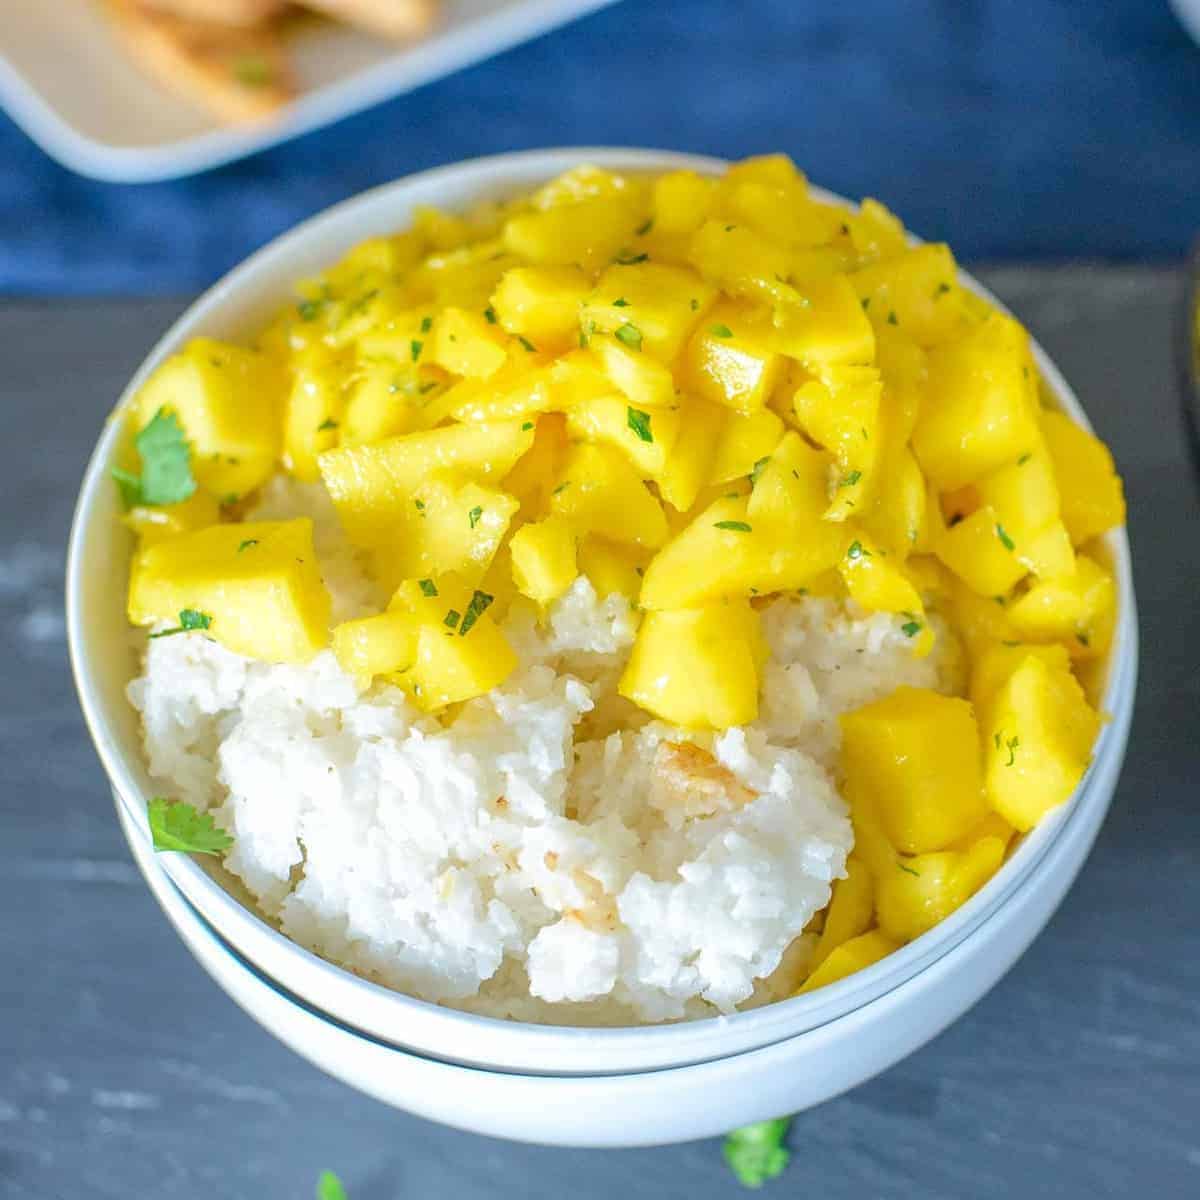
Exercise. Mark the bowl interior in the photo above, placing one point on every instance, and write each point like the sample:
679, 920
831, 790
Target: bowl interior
103, 653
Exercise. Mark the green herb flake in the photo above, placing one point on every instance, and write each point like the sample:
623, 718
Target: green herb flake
1005, 540
850, 480
734, 526
695, 304
721, 331
756, 472
645, 227
856, 551
329, 1187
428, 587
1083, 639
892, 319
639, 422
190, 620
489, 314
908, 870
328, 423
420, 506
527, 344
911, 628
129, 485
562, 487
866, 303
526, 426
414, 348
175, 825
452, 618
310, 310
630, 335
942, 289
756, 1153
620, 302
166, 476
480, 602
426, 324
474, 515
1011, 746
247, 544
625, 259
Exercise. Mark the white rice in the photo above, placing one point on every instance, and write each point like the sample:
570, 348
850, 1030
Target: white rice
519, 860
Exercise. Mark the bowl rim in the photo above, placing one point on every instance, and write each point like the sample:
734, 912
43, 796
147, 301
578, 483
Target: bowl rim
558, 1046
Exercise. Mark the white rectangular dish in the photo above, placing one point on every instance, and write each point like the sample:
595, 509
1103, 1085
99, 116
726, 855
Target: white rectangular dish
69, 83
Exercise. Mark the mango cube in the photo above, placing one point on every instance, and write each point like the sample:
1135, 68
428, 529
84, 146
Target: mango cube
586, 233
1078, 609
746, 439
544, 559
917, 291
258, 582
993, 665
313, 413
644, 380
877, 583
382, 403
741, 261
697, 668
916, 753
731, 359
828, 328
158, 522
1090, 489
644, 436
541, 303
855, 955
981, 552
689, 465
681, 201
466, 343
601, 493
611, 569
850, 911
377, 645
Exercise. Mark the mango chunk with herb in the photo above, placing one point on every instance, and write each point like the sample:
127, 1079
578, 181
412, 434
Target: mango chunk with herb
876, 232
157, 523
746, 439
541, 304
1037, 742
917, 291
981, 552
611, 569
697, 668
925, 889
878, 583
741, 261
381, 403
916, 754
1079, 609
643, 380
689, 465
544, 559
536, 473
228, 400
789, 487
993, 664
466, 343
1092, 497
681, 201
645, 436
896, 515
978, 412
313, 413
855, 955
601, 493
257, 582
371, 646
850, 911
588, 233
829, 328
731, 358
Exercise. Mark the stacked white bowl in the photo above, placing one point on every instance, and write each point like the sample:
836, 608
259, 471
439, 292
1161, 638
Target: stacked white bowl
591, 1087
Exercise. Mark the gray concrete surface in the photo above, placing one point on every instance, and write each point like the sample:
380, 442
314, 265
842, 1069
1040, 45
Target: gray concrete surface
125, 1073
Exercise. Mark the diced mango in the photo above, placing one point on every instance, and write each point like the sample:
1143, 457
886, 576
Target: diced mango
697, 668
645, 436
382, 403
537, 472
466, 343
314, 410
878, 583
586, 233
1037, 743
855, 955
876, 232
228, 400
1090, 489
601, 493
689, 466
746, 439
258, 582
979, 406
611, 569
927, 888
731, 360
1079, 609
377, 645
542, 304
981, 552
916, 753
917, 291
544, 559
829, 328
742, 262
681, 201
896, 517
850, 910
157, 523
790, 488
993, 665
642, 379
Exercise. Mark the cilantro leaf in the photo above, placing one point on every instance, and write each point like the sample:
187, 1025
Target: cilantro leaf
474, 515
756, 1153
630, 335
166, 476
735, 526
129, 485
475, 609
639, 422
1005, 540
329, 1187
178, 826
428, 587
759, 467
721, 331
190, 619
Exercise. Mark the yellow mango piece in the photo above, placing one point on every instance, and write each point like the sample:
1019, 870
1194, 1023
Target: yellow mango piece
377, 645
978, 410
544, 559
840, 411
783, 214
730, 358
611, 569
697, 668
850, 912
542, 304
896, 517
981, 552
497, 582
383, 402
690, 463
774, 170
1090, 489
903, 367
992, 826
158, 522
537, 471
927, 888
584, 182
979, 620
642, 379
1079, 610
916, 291
790, 488
992, 666
228, 400
466, 343
586, 233
1048, 553
314, 411
258, 582
394, 326
373, 486
662, 303
877, 583
855, 955
828, 328
1037, 743
524, 386
460, 651
746, 439
721, 554
740, 261
644, 436
876, 232
601, 492
681, 201
916, 754
1023, 494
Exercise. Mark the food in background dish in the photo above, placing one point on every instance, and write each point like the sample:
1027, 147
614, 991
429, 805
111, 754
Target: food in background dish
232, 56
638, 600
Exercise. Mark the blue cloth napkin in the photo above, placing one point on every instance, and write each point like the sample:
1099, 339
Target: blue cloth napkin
1031, 129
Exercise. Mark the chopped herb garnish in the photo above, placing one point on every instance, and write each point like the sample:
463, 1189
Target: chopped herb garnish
645, 226
428, 587
1083, 639
730, 228
426, 324
850, 480
910, 628
247, 544
231, 499
166, 476
908, 870
129, 485
420, 505
310, 310
527, 344
1011, 745
721, 331
1005, 540
328, 423
625, 259
415, 347
474, 515
695, 303
562, 487
735, 526
190, 619
857, 550
178, 826
329, 1187
452, 618
639, 422
630, 335
526, 426
866, 302
490, 315
942, 289
892, 319
620, 302
1023, 459
758, 469
756, 1153
477, 607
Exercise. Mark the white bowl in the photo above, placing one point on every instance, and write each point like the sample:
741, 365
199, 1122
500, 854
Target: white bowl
103, 662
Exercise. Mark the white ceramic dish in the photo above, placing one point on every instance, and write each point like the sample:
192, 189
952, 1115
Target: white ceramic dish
103, 662
671, 1105
66, 80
